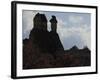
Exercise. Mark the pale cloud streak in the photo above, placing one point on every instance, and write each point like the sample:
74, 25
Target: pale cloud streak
75, 19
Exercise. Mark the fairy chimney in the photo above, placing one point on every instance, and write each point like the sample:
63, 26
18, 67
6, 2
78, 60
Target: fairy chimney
40, 22
53, 24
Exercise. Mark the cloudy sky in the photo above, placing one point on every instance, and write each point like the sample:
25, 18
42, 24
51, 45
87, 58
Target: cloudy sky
73, 28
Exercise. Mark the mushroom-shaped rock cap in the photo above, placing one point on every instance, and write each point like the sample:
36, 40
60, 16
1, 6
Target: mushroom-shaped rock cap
53, 19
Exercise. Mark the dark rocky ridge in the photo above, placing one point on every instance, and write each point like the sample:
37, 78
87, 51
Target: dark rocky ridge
44, 49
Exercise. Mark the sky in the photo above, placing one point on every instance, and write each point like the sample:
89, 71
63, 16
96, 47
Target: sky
73, 28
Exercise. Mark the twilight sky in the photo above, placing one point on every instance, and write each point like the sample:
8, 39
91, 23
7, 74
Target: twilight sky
73, 28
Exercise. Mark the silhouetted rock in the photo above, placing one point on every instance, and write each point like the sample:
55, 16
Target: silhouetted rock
86, 49
25, 41
40, 22
44, 49
74, 48
46, 41
53, 24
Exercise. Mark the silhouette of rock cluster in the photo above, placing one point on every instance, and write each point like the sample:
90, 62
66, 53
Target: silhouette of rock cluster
44, 49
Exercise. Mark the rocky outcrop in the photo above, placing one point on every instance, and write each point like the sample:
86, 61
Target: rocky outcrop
44, 49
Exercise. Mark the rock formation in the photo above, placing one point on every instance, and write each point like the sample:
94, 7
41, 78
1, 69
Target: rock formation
46, 41
44, 49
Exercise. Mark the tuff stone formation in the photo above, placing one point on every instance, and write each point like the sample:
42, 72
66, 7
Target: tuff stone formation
46, 41
44, 49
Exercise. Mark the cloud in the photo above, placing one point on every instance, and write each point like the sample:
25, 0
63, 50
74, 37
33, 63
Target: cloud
75, 19
70, 36
72, 29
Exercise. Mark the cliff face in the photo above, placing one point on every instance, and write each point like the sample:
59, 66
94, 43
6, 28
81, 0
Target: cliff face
46, 41
40, 47
44, 49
